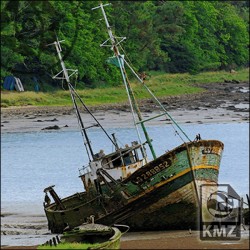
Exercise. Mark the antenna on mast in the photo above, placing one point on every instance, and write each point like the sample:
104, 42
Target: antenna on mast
74, 94
120, 63
66, 76
64, 70
115, 40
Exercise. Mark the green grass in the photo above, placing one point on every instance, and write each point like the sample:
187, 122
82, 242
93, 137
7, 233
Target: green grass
70, 246
113, 244
161, 84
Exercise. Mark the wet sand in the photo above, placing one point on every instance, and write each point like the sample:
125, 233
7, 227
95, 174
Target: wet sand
178, 240
34, 122
170, 240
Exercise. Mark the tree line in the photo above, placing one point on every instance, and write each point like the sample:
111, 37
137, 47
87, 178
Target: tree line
167, 36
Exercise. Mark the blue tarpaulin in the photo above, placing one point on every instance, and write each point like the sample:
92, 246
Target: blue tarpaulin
9, 83
36, 87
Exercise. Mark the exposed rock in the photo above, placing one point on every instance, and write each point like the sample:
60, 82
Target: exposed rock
235, 81
51, 127
52, 120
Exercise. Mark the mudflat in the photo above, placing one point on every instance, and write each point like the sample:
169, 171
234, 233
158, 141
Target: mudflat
170, 240
179, 240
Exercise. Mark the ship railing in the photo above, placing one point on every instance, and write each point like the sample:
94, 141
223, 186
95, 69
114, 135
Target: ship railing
125, 153
84, 170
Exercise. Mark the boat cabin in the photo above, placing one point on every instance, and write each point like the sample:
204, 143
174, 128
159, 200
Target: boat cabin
122, 157
115, 166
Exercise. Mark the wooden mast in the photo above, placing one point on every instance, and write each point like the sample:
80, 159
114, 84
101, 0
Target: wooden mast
131, 97
66, 76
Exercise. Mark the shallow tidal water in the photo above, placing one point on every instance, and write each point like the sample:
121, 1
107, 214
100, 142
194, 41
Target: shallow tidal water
32, 161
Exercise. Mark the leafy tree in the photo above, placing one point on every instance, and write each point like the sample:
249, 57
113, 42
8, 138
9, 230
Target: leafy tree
169, 23
173, 36
134, 21
233, 36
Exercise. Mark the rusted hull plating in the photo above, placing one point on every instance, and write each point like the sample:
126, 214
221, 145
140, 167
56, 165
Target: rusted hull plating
163, 194
177, 210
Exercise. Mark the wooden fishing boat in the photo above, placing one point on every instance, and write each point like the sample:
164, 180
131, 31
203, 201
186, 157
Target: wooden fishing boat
88, 236
125, 186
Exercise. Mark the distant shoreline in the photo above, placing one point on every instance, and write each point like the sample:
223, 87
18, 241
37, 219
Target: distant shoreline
220, 103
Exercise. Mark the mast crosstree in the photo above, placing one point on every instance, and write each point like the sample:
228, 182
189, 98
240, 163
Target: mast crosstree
66, 76
130, 93
74, 94
115, 41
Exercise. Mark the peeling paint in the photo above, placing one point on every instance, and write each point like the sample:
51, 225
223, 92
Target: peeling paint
151, 198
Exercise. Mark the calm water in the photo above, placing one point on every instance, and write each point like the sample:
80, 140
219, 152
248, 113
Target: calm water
32, 161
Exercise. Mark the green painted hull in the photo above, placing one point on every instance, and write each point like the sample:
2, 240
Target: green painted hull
87, 240
163, 194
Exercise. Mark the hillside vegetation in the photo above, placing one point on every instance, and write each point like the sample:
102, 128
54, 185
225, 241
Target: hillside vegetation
165, 36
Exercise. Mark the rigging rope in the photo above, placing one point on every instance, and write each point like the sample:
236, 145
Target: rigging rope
145, 86
80, 123
87, 109
131, 106
159, 103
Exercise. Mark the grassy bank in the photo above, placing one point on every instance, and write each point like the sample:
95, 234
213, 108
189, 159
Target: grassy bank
161, 84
